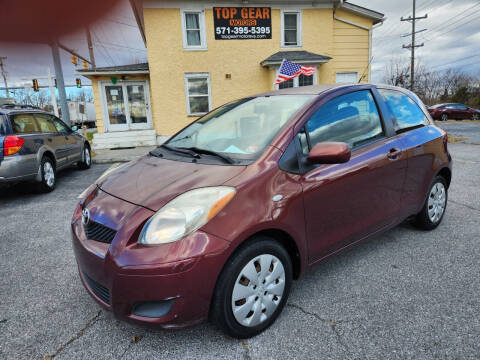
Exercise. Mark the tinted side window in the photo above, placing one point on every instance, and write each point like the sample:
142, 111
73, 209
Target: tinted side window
24, 124
60, 126
406, 112
45, 123
351, 118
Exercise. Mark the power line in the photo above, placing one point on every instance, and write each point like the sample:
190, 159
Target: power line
456, 61
454, 28
104, 49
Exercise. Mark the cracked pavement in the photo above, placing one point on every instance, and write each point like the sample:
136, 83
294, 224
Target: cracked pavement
404, 294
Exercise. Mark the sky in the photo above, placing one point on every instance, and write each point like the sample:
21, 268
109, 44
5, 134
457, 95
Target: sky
452, 39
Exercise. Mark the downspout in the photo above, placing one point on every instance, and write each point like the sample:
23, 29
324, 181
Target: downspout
361, 27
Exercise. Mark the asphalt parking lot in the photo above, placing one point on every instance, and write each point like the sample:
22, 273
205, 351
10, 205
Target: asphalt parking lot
468, 131
405, 294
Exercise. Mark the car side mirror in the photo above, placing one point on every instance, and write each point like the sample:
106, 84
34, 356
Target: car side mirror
329, 153
74, 128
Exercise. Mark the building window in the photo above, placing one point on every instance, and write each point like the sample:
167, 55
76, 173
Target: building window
193, 24
346, 77
197, 90
301, 80
291, 29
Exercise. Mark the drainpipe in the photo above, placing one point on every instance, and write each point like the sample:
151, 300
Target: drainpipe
361, 27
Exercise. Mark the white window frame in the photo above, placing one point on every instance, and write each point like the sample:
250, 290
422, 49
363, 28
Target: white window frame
346, 72
295, 80
203, 38
187, 95
299, 28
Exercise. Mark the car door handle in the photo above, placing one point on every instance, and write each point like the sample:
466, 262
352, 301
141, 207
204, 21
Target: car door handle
394, 153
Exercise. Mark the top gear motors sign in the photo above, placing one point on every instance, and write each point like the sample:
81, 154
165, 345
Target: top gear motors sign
242, 23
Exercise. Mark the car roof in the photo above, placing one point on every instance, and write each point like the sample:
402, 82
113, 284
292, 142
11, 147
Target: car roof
18, 109
318, 89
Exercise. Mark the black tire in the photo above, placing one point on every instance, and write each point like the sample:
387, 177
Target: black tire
86, 161
475, 117
444, 117
221, 310
45, 185
422, 220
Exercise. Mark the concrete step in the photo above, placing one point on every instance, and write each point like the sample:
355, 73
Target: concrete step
133, 138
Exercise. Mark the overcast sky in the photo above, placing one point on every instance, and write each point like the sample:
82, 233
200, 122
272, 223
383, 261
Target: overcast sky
452, 40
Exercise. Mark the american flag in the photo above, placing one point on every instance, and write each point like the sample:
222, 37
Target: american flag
290, 70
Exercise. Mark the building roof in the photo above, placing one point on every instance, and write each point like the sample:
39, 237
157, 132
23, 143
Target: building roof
300, 56
141, 68
376, 16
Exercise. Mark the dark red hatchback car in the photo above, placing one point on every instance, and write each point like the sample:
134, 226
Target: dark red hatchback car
454, 111
219, 220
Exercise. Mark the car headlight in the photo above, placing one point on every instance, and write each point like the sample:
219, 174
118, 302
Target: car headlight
185, 214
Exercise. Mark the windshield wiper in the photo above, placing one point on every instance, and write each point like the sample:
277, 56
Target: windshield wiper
225, 158
177, 150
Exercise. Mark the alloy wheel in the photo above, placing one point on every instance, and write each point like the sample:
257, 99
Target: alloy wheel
258, 290
48, 174
444, 117
436, 202
475, 117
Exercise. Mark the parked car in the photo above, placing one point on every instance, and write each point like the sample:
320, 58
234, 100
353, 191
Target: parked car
219, 220
444, 112
34, 145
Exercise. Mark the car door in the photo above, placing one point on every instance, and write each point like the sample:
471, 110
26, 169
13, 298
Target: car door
345, 202
421, 141
463, 112
69, 140
52, 138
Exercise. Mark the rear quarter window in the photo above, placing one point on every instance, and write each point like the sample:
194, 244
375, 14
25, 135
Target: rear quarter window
24, 124
405, 110
3, 127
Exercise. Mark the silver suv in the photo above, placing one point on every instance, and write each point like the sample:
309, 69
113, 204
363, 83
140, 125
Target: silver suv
34, 145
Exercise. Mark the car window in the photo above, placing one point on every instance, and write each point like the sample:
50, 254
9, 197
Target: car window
351, 118
60, 126
45, 123
461, 107
406, 112
24, 124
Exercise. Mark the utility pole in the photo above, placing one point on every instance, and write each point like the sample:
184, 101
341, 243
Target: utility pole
4, 74
412, 45
60, 83
90, 48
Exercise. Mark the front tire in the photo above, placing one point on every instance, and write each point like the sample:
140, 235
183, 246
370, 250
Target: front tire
475, 117
49, 176
252, 288
86, 161
434, 208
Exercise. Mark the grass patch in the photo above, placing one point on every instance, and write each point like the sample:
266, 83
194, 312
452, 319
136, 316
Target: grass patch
90, 136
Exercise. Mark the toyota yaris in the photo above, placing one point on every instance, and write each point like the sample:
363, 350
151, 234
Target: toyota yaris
218, 221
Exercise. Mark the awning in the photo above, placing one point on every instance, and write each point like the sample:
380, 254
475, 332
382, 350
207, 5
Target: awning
302, 56
141, 68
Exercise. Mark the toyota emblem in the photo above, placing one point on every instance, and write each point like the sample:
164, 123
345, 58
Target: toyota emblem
85, 216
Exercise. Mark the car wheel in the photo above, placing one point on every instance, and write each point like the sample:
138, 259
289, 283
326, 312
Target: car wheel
86, 161
434, 208
252, 288
444, 117
49, 177
475, 117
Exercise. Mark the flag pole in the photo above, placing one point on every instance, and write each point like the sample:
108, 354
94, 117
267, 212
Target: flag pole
276, 76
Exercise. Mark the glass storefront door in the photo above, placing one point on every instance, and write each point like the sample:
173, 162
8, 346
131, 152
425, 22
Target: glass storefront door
126, 106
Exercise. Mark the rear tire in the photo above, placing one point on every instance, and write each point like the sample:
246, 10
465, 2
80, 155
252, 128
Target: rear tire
86, 161
49, 176
256, 293
435, 204
444, 117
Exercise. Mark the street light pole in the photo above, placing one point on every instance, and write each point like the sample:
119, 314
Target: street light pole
60, 83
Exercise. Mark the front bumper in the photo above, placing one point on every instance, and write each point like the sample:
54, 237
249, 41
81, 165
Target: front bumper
186, 285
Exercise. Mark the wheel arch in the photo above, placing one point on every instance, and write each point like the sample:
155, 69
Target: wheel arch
446, 173
50, 155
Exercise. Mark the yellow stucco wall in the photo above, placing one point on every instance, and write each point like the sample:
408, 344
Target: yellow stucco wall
168, 61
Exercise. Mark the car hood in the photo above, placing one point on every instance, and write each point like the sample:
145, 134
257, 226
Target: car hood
151, 182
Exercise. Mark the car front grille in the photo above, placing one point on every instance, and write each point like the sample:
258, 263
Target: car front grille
99, 290
99, 232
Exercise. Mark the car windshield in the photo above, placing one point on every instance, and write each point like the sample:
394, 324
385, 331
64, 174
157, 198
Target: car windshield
241, 129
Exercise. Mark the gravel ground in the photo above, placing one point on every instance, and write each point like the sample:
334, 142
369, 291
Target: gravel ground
405, 294
470, 130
